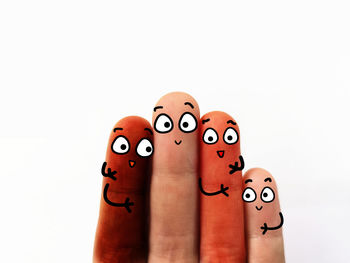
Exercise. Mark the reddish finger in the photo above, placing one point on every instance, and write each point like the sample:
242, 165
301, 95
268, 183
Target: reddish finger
121, 234
220, 183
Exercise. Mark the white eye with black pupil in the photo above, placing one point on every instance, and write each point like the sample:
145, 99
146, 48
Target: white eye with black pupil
144, 148
249, 195
187, 122
163, 123
230, 136
267, 195
210, 136
120, 145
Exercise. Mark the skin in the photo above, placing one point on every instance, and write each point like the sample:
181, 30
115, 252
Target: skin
221, 212
121, 234
173, 235
263, 244
173, 221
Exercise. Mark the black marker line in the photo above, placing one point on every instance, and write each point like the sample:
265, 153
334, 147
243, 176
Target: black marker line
235, 167
265, 227
149, 130
127, 204
178, 143
221, 191
109, 173
204, 121
189, 104
248, 181
157, 107
231, 121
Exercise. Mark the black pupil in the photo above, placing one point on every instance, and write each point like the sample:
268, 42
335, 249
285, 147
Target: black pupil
229, 137
247, 195
210, 138
185, 124
123, 146
265, 194
167, 124
148, 149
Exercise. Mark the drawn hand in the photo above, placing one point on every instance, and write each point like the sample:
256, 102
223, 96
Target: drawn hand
189, 188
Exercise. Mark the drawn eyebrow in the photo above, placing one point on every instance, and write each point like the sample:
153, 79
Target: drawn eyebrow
189, 104
232, 122
204, 121
116, 129
268, 179
248, 180
148, 129
157, 107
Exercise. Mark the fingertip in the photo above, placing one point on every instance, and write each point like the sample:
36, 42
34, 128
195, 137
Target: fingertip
172, 100
219, 114
131, 122
219, 119
259, 175
256, 172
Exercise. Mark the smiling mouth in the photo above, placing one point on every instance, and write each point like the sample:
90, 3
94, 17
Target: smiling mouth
259, 208
220, 153
132, 163
178, 143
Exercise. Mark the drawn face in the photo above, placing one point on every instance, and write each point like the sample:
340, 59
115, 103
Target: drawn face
220, 136
260, 194
219, 143
129, 151
260, 199
175, 123
176, 115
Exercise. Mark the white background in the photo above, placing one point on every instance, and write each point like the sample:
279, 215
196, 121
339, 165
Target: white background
70, 69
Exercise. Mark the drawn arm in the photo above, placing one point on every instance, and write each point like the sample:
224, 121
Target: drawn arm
265, 227
109, 173
221, 191
236, 167
126, 204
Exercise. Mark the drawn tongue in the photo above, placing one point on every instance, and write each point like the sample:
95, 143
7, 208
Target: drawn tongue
220, 153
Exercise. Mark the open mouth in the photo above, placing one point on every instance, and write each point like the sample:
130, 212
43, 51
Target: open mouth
178, 143
257, 208
132, 163
220, 153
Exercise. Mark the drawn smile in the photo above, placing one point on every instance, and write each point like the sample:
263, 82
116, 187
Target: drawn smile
178, 143
258, 208
132, 163
220, 153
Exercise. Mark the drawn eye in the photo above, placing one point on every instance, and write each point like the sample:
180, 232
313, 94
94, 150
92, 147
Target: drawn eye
187, 122
267, 195
230, 136
144, 148
210, 136
120, 145
163, 123
249, 195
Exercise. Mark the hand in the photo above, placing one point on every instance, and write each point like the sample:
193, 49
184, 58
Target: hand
200, 208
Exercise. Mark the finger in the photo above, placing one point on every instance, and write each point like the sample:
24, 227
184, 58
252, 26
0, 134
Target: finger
173, 221
263, 217
121, 234
221, 215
